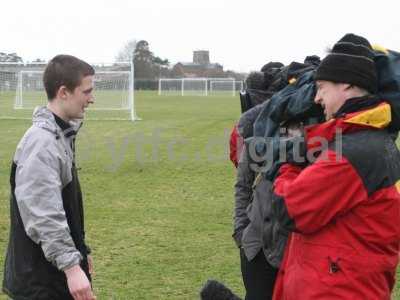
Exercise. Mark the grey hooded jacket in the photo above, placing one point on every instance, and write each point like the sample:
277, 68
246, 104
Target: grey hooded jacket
47, 227
255, 227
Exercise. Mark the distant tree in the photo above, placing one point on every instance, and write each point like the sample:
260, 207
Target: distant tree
160, 67
126, 52
10, 57
143, 60
142, 52
147, 66
161, 63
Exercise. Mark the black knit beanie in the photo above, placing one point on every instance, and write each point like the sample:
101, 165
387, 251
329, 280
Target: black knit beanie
350, 61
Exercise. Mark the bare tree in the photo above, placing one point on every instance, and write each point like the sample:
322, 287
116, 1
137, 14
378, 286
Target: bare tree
125, 54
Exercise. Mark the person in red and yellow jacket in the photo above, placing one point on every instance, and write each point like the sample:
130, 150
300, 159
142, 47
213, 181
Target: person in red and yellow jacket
343, 209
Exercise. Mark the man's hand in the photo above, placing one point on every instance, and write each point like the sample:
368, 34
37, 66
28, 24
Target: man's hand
78, 284
90, 263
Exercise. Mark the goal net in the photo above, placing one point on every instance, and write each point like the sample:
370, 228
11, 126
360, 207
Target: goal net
113, 91
183, 86
225, 86
199, 86
222, 87
170, 86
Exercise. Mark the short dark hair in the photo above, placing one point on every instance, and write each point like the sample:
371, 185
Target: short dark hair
64, 70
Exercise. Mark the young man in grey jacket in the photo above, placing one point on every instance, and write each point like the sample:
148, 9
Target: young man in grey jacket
47, 257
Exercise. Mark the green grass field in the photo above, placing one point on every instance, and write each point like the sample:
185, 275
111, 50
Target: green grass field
159, 223
158, 196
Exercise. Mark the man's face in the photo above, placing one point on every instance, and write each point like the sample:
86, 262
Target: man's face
79, 99
331, 96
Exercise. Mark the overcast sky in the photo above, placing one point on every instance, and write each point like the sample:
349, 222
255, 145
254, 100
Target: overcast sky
240, 35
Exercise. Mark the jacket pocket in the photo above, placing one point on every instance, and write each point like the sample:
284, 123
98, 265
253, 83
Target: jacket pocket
237, 237
337, 266
276, 243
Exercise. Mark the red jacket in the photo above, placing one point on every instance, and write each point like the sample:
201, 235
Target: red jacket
344, 211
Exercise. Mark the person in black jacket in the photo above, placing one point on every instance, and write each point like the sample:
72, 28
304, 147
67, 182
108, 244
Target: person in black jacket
47, 256
258, 274
257, 232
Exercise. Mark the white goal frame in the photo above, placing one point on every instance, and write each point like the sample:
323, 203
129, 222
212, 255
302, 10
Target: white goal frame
38, 68
180, 87
215, 82
177, 81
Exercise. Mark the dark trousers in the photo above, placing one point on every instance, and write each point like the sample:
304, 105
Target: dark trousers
258, 276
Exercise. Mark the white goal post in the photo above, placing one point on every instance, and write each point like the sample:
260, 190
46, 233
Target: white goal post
113, 90
170, 86
194, 87
183, 86
223, 86
239, 85
199, 86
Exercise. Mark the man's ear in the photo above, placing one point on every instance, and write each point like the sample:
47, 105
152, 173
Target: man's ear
62, 92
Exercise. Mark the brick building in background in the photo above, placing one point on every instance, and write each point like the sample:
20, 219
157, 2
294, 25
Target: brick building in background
200, 67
